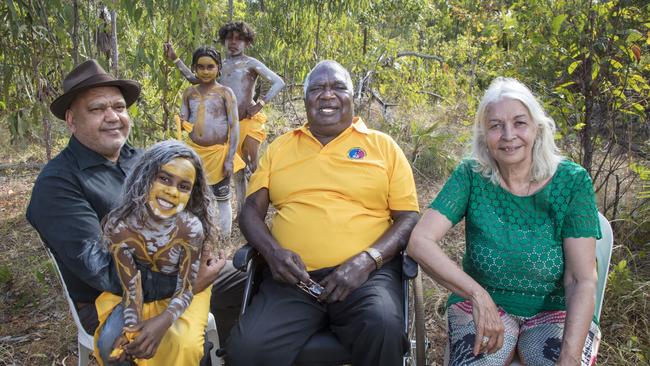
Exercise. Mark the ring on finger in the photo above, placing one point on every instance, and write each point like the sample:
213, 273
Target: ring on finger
485, 341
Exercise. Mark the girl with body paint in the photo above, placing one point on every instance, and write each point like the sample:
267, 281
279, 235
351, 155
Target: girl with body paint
209, 124
163, 221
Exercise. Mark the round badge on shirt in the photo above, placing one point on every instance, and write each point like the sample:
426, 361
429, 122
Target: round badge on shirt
356, 153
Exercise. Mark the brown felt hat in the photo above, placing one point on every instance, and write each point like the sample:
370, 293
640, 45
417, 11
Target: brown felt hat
89, 75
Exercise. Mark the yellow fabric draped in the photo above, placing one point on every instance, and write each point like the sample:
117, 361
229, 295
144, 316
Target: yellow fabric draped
212, 157
182, 344
253, 127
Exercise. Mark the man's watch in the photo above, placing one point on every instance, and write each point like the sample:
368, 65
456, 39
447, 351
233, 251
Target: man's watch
376, 256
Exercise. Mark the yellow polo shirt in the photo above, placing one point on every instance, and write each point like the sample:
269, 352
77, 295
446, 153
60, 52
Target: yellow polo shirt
334, 201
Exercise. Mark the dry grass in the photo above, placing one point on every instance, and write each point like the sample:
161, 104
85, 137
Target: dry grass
36, 327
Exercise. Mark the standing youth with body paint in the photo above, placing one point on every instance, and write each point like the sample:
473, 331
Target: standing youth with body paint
162, 222
209, 115
240, 73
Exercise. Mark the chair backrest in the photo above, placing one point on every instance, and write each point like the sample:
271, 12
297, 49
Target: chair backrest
603, 256
82, 336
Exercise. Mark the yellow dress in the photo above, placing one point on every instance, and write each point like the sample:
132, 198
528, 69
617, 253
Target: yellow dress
182, 344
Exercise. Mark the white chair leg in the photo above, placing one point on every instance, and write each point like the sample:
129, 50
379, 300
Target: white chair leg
84, 354
213, 336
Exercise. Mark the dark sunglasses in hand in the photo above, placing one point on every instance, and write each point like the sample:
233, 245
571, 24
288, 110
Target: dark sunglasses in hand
311, 288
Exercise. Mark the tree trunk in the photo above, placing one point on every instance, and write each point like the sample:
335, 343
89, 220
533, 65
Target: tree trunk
365, 39
92, 31
114, 54
47, 136
75, 32
586, 138
42, 107
231, 10
317, 43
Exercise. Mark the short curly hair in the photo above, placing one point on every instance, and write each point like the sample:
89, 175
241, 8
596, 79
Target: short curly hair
244, 29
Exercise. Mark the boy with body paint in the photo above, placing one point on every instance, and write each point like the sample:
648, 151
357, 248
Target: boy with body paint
240, 72
209, 115
163, 221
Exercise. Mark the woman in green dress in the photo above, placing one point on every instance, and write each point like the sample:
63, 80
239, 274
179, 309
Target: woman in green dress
528, 280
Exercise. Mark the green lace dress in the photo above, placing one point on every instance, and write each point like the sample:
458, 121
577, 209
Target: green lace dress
514, 244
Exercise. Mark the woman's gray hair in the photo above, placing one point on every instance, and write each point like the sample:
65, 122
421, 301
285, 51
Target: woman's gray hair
348, 78
546, 155
135, 192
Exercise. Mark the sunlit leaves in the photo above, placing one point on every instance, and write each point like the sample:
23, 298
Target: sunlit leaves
573, 66
557, 23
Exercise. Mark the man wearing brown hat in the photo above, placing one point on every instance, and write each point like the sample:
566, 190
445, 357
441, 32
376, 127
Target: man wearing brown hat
77, 188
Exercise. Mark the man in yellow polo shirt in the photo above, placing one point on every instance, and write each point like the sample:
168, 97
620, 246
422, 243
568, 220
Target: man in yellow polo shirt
346, 204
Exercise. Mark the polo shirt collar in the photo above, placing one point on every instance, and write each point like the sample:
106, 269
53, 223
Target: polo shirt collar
87, 158
357, 124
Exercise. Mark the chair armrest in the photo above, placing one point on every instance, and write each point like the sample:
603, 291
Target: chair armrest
242, 256
409, 266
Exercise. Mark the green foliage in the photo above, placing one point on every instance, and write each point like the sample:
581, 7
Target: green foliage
5, 276
620, 279
644, 176
43, 271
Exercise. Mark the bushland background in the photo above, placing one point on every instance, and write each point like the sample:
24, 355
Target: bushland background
419, 68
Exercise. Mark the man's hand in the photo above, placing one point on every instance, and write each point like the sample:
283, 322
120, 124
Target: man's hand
252, 109
287, 266
151, 332
347, 277
208, 269
169, 51
228, 168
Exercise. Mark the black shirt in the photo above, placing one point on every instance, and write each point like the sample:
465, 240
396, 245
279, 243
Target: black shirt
71, 196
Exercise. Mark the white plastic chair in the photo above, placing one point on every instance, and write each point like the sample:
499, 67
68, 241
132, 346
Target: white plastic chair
212, 336
85, 341
604, 247
603, 257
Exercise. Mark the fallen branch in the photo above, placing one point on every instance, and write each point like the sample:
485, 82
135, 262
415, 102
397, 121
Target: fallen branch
22, 166
14, 339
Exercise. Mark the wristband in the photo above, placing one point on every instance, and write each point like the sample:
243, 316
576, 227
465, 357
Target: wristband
176, 60
261, 102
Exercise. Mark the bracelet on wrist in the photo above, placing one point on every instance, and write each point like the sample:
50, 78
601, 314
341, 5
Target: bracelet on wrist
376, 256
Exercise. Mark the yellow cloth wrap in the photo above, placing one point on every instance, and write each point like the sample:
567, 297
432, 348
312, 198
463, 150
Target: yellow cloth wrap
212, 157
182, 344
253, 127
